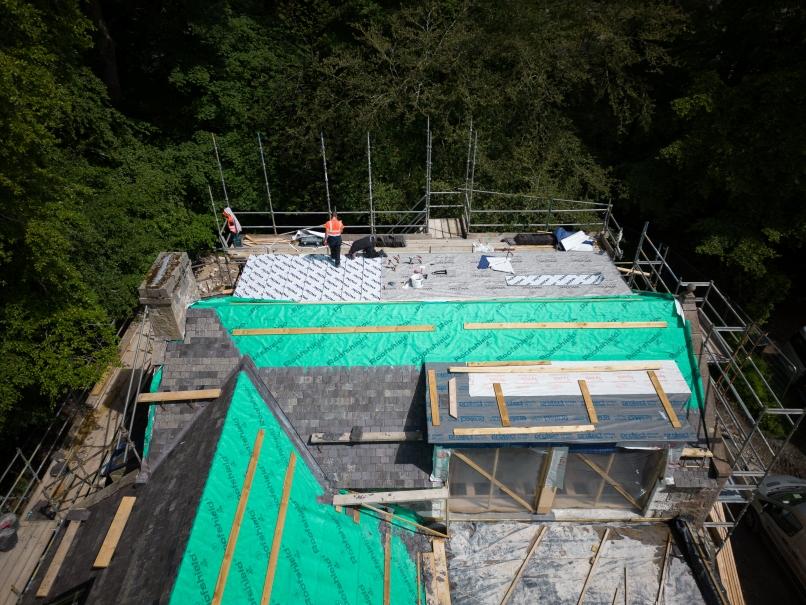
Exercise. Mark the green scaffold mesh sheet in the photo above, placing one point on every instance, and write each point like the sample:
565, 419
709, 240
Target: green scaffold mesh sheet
450, 342
325, 557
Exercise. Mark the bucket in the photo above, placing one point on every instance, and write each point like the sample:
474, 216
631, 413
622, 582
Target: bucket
416, 280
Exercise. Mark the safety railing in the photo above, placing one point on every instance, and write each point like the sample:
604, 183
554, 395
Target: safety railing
753, 419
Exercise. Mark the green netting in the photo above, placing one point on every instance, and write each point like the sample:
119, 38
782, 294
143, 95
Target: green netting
325, 556
156, 379
450, 342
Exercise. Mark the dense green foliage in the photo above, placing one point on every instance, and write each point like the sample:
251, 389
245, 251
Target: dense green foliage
684, 113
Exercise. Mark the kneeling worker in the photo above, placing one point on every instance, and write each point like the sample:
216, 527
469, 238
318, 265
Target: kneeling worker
333, 230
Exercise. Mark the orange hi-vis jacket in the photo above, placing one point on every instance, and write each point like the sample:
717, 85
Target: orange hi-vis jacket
333, 228
231, 223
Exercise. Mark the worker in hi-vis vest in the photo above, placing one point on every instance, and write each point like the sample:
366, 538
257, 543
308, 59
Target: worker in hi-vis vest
333, 230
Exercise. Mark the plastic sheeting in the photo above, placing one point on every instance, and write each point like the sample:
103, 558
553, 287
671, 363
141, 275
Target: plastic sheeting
483, 558
325, 556
450, 342
310, 277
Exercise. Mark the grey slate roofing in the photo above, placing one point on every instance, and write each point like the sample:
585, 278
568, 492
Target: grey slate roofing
315, 400
153, 542
202, 361
334, 400
564, 274
144, 566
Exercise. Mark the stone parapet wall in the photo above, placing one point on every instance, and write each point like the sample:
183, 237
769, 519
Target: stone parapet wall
168, 289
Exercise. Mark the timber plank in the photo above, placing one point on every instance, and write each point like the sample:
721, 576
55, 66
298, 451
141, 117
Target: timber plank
492, 364
331, 330
409, 495
277, 540
613, 483
433, 396
368, 437
593, 566
453, 407
553, 325
525, 430
441, 572
223, 570
502, 404
514, 584
179, 396
58, 559
555, 369
664, 400
114, 532
586, 397
492, 479
387, 565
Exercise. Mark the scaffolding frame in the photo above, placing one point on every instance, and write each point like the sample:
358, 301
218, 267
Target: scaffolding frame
747, 407
477, 209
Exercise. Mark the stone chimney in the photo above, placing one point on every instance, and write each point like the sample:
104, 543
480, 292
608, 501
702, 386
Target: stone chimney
168, 289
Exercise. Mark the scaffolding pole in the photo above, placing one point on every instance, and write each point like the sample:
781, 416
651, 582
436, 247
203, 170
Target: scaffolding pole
215, 216
220, 171
369, 172
427, 173
472, 179
266, 180
467, 168
324, 163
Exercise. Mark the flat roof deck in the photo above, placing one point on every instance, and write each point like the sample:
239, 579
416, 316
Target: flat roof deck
448, 276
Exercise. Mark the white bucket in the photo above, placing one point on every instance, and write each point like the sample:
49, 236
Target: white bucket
416, 280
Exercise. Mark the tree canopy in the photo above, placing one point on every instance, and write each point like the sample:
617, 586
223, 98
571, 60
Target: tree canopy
683, 113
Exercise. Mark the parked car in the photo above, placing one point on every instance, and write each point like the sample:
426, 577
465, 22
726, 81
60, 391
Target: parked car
779, 512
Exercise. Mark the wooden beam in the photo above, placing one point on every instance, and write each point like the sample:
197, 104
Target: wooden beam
664, 565
664, 400
223, 570
179, 396
554, 325
492, 479
453, 406
56, 563
408, 495
525, 430
556, 369
441, 572
385, 514
545, 493
493, 364
277, 540
330, 330
387, 566
593, 566
696, 452
502, 404
613, 483
368, 437
114, 532
514, 584
419, 580
586, 396
433, 396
